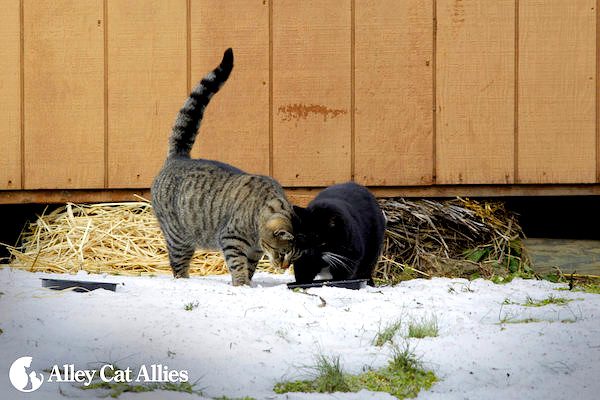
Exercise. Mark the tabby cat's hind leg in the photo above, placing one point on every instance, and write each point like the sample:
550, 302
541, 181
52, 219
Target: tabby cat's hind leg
179, 257
253, 260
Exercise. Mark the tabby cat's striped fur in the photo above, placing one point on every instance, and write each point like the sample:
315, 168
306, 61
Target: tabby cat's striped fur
212, 205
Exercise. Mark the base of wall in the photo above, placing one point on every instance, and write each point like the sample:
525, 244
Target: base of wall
302, 196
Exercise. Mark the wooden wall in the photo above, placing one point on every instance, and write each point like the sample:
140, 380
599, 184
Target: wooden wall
419, 93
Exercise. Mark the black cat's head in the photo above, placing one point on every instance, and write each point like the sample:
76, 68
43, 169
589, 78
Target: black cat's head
321, 240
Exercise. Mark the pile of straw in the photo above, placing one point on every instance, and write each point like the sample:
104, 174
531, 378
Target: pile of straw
115, 238
459, 237
424, 238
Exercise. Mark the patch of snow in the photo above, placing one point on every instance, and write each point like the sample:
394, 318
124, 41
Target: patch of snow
240, 341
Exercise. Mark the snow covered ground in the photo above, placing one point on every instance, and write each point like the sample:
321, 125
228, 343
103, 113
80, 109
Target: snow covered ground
240, 341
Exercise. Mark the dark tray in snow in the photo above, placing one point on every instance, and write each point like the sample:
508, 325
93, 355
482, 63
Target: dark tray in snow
354, 284
77, 286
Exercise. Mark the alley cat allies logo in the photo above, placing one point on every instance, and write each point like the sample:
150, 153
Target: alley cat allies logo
22, 377
25, 379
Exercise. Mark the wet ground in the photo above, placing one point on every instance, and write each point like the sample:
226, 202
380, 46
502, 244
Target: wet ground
570, 255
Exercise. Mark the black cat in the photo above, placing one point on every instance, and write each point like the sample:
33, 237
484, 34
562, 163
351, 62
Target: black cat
341, 230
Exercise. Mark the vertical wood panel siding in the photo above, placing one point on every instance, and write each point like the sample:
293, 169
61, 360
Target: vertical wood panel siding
235, 128
557, 84
393, 91
10, 98
475, 91
63, 93
321, 90
311, 92
147, 84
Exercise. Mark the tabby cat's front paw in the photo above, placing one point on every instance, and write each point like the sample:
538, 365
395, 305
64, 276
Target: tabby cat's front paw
240, 278
240, 282
181, 274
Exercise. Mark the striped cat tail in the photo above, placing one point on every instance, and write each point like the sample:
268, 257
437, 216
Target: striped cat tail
188, 120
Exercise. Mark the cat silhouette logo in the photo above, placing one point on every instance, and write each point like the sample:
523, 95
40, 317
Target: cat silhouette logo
22, 377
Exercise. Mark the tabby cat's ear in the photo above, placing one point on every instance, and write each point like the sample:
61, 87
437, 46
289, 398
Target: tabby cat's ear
283, 234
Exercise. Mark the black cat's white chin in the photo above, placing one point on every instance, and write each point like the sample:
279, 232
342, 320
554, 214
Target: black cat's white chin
325, 274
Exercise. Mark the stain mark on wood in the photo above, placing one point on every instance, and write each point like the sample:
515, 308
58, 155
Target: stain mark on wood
458, 16
302, 111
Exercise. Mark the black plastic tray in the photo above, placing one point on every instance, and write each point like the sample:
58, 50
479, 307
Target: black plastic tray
77, 286
353, 284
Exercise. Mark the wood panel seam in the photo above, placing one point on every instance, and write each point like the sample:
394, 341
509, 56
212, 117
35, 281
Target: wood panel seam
22, 88
597, 109
434, 95
516, 99
352, 89
188, 45
106, 137
270, 87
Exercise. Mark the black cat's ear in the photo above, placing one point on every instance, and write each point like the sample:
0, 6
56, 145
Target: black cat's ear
333, 222
300, 212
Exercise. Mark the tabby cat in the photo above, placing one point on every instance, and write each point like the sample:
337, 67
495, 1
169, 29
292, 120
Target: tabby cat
215, 206
341, 231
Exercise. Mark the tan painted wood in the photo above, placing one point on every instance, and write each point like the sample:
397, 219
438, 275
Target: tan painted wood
235, 127
311, 91
147, 85
64, 94
10, 100
147, 77
475, 91
557, 84
393, 92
